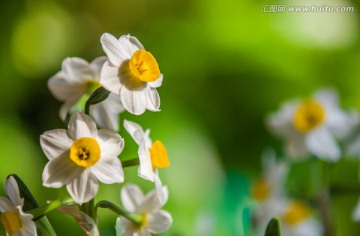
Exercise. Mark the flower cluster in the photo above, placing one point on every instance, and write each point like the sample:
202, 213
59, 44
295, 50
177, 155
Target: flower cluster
317, 131
81, 156
272, 201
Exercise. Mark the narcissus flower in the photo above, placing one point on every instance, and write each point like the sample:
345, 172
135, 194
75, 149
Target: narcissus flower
154, 220
81, 156
151, 155
15, 221
74, 84
312, 126
297, 220
269, 191
132, 72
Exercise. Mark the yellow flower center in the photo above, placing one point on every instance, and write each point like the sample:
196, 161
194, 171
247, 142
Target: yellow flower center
85, 152
158, 154
11, 221
296, 213
144, 220
260, 190
308, 116
144, 66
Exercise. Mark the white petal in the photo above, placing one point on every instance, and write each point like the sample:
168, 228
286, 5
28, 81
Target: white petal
321, 144
111, 144
109, 171
296, 147
24, 216
55, 142
159, 221
153, 99
60, 171
135, 130
161, 191
128, 227
341, 124
77, 70
145, 168
157, 83
83, 188
280, 123
130, 44
106, 113
356, 212
143, 232
12, 190
109, 78
147, 138
62, 88
327, 97
308, 227
131, 197
96, 66
67, 105
81, 125
134, 101
28, 228
6, 204
353, 146
151, 202
113, 49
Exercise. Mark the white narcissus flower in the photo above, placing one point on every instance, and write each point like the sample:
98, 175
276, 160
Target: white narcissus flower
269, 191
132, 72
77, 79
81, 156
154, 220
151, 155
312, 126
297, 220
15, 221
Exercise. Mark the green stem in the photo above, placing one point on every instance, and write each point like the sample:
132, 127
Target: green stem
131, 162
135, 218
89, 209
40, 211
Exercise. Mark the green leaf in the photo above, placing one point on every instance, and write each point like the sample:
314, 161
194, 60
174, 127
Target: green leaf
273, 228
97, 96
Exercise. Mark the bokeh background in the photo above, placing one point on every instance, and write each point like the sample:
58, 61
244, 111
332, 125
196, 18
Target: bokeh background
226, 65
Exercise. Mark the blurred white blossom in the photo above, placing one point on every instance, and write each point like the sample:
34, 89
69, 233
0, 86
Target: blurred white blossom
312, 126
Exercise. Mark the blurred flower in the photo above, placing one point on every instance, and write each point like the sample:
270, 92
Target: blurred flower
81, 156
151, 155
297, 220
132, 72
311, 126
154, 220
269, 191
78, 78
15, 221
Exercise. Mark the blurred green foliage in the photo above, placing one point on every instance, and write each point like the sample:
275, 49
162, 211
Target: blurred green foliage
226, 65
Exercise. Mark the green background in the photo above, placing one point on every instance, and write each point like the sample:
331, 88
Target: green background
226, 65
